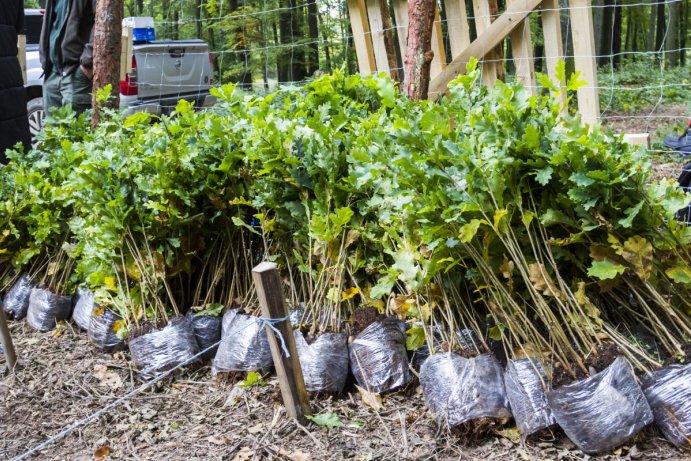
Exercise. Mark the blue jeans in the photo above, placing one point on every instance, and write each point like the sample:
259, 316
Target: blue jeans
73, 89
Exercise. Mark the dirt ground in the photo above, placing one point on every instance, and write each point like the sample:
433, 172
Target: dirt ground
62, 378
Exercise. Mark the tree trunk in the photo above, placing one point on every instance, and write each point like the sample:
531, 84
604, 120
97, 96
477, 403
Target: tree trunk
660, 29
419, 54
389, 43
106, 57
198, 17
652, 20
616, 37
325, 39
291, 59
604, 50
313, 29
672, 41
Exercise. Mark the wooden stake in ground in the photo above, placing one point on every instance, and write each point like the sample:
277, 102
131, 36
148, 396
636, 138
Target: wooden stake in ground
6, 341
107, 38
419, 54
288, 369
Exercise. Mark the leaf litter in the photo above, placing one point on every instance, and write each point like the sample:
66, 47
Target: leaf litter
64, 379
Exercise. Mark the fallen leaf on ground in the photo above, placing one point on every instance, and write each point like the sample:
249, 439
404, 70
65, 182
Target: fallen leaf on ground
245, 454
295, 455
107, 378
217, 440
370, 399
256, 429
511, 433
102, 453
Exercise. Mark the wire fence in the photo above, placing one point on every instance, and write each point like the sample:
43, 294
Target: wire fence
641, 48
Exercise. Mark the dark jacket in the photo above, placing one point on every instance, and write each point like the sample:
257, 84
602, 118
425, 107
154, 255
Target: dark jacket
14, 125
76, 40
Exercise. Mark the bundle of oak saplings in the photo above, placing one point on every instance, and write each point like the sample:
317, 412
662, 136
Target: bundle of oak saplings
597, 413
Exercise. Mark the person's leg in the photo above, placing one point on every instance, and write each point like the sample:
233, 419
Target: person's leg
77, 91
52, 96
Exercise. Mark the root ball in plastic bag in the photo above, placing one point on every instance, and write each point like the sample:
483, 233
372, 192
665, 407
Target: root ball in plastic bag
601, 412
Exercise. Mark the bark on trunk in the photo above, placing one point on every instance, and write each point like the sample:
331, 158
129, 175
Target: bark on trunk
419, 54
389, 44
107, 38
313, 29
671, 41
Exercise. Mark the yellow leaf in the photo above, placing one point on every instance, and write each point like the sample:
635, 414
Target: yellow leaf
349, 293
582, 299
511, 433
332, 294
638, 252
499, 216
240, 201
118, 325
506, 269
370, 399
98, 311
109, 282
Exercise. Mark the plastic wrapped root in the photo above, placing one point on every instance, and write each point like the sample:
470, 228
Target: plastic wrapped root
601, 412
378, 356
83, 308
324, 363
16, 302
46, 308
458, 390
466, 339
668, 391
244, 345
525, 381
160, 351
102, 330
207, 331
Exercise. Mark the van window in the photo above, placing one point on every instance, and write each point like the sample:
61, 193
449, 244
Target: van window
32, 28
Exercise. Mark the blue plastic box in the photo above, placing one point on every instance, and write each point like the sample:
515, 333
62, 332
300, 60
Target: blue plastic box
143, 34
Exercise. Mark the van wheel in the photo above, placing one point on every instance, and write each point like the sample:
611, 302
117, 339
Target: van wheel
36, 114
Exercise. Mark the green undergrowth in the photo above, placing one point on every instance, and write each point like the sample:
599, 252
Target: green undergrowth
490, 209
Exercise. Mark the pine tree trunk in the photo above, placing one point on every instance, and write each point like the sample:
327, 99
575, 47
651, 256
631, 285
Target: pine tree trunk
660, 29
652, 20
291, 59
671, 41
604, 51
616, 37
419, 54
389, 44
106, 57
327, 48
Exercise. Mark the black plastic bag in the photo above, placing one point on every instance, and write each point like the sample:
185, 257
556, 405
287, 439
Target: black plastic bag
46, 308
324, 363
525, 381
601, 412
378, 356
458, 390
16, 302
101, 330
83, 308
244, 345
207, 331
668, 391
163, 350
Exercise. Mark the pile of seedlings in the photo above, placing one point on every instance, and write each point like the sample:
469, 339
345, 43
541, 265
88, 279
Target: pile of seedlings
485, 230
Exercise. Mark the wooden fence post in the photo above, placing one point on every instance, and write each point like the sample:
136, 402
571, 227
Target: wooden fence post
362, 38
288, 369
584, 56
6, 341
554, 50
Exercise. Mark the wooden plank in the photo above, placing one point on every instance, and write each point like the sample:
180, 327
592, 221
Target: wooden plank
400, 13
439, 61
6, 341
361, 36
554, 49
288, 369
522, 50
584, 59
483, 19
457, 25
376, 25
638, 139
492, 36
21, 55
126, 50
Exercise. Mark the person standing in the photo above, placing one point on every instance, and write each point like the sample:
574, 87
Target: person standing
14, 124
66, 53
